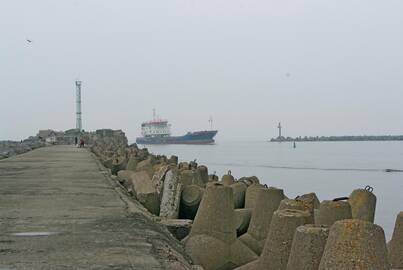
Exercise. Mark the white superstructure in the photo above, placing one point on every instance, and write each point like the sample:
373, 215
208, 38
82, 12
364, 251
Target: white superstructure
155, 127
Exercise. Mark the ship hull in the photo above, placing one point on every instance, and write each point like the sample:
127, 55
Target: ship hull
198, 137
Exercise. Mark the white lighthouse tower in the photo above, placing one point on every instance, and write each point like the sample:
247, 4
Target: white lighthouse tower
79, 124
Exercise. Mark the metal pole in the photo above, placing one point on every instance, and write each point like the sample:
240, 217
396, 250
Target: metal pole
79, 125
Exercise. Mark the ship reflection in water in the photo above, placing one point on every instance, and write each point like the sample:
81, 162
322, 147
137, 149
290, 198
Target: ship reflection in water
158, 131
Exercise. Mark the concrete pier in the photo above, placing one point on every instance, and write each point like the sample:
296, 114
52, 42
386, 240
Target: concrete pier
59, 210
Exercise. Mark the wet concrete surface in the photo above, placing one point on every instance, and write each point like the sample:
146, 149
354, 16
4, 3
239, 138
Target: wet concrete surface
59, 210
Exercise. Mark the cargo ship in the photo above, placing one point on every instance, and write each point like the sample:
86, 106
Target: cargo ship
158, 131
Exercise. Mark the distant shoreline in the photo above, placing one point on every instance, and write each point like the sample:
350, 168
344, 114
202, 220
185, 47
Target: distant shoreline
339, 138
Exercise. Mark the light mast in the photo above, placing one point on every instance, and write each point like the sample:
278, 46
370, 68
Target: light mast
79, 124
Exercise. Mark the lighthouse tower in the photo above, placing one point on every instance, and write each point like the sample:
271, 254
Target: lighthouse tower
79, 124
279, 129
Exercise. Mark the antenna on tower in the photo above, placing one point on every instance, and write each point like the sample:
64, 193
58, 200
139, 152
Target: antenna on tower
210, 120
154, 115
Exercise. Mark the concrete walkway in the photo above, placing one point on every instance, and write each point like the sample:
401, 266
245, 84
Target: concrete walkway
58, 210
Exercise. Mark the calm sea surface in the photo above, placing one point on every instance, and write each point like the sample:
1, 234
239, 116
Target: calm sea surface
330, 169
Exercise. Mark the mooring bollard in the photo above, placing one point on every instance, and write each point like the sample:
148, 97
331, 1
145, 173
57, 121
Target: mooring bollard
332, 211
355, 244
363, 204
307, 247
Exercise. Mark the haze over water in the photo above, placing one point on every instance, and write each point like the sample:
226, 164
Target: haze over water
330, 169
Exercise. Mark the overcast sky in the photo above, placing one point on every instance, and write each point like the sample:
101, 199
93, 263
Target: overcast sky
319, 67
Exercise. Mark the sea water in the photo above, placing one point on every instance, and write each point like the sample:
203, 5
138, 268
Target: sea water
330, 169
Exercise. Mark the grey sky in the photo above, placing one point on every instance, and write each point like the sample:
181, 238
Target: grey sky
192, 59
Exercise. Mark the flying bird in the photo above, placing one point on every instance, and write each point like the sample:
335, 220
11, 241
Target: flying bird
29, 41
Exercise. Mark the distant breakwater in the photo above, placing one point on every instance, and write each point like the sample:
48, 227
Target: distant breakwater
338, 138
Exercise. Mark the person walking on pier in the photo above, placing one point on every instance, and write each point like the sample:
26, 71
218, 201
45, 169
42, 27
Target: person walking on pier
81, 142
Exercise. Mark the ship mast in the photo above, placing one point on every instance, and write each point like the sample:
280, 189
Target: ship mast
211, 122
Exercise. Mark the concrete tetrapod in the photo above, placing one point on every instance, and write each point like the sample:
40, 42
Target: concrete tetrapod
117, 165
332, 211
310, 198
277, 247
212, 178
251, 194
173, 160
171, 195
190, 201
249, 180
267, 202
395, 245
242, 218
302, 205
146, 165
279, 240
183, 166
212, 241
355, 244
239, 190
193, 165
202, 173
363, 204
307, 247
132, 163
158, 179
124, 178
190, 177
145, 191
227, 179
